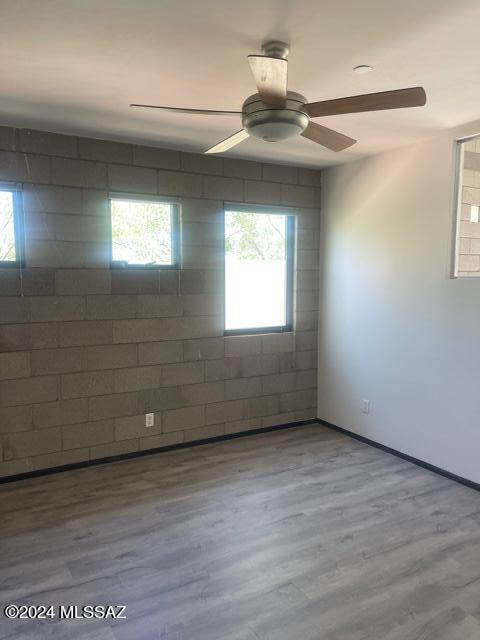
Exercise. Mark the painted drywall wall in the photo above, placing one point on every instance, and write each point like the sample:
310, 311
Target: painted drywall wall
395, 328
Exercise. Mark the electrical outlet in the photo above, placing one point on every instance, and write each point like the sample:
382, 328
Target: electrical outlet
365, 406
149, 419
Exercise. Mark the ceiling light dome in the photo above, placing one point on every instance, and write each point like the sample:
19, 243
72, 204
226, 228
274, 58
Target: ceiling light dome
363, 68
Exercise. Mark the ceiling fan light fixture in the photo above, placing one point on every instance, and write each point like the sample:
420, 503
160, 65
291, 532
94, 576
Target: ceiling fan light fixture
272, 124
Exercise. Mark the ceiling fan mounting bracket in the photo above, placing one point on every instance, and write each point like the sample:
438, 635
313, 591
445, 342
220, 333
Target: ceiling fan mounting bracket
275, 49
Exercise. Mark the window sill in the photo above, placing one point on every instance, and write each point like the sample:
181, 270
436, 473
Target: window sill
257, 331
121, 266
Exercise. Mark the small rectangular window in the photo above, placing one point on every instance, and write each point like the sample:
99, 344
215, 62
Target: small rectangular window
11, 228
467, 245
145, 232
259, 245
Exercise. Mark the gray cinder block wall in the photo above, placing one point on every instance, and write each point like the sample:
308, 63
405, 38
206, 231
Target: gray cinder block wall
86, 351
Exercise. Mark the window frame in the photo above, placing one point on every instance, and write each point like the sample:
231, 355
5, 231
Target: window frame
18, 227
459, 157
290, 228
175, 231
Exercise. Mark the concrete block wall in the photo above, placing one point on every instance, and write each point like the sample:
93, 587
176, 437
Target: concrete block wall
468, 244
86, 351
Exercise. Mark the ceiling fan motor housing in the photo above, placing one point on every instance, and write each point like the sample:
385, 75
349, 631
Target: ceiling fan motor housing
275, 123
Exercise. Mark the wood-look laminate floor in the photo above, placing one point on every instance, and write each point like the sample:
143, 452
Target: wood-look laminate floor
302, 534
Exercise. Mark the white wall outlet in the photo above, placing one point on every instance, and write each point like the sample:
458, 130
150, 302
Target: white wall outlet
149, 419
365, 406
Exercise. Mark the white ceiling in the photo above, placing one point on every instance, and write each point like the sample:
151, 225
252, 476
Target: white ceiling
75, 65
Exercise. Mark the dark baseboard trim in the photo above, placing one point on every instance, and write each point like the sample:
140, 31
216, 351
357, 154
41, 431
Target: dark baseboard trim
425, 465
148, 452
232, 436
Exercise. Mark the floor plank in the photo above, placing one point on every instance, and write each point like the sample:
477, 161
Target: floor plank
301, 534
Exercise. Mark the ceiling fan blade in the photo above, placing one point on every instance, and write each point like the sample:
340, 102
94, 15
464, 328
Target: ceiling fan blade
271, 79
327, 137
206, 112
229, 142
398, 99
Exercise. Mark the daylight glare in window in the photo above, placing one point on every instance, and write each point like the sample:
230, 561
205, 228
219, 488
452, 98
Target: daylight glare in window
7, 228
256, 270
142, 232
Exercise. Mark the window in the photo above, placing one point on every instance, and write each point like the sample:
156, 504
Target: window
145, 232
467, 253
11, 228
258, 270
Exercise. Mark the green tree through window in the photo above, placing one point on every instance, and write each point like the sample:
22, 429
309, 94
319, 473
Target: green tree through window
141, 232
255, 236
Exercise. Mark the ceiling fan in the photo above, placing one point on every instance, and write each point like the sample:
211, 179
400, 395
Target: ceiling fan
274, 113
